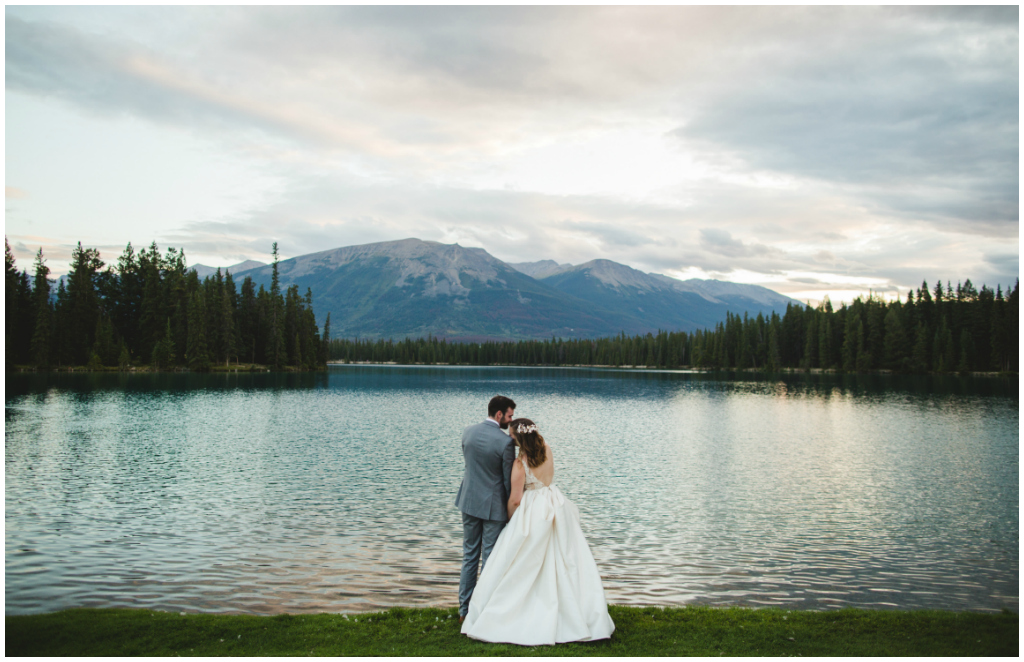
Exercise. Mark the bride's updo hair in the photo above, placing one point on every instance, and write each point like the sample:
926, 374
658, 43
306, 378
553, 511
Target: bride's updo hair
524, 433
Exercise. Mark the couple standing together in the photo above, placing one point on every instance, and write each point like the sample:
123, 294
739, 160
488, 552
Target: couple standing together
539, 583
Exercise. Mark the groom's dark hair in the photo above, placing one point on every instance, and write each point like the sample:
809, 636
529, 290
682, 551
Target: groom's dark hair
499, 403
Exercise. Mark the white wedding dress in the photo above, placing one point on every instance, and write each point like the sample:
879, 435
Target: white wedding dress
540, 584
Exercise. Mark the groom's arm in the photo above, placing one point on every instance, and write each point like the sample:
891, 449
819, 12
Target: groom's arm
507, 459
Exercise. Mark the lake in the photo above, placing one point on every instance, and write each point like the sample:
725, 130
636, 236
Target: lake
270, 493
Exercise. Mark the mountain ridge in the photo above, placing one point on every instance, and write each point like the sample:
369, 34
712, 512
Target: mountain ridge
203, 271
414, 288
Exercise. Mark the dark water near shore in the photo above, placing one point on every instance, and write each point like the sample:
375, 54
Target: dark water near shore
266, 493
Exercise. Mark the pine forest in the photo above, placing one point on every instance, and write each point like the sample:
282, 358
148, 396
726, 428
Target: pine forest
150, 309
945, 330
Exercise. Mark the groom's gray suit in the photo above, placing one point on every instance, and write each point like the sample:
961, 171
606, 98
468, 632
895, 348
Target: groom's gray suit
483, 498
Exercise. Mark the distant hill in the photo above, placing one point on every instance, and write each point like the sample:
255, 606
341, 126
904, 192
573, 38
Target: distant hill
203, 271
736, 294
662, 302
412, 288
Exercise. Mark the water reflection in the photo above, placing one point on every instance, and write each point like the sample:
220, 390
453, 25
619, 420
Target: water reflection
333, 491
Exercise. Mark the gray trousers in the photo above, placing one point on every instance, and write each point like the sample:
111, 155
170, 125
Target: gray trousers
478, 537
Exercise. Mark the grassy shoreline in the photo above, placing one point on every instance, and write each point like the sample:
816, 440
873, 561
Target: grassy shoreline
701, 631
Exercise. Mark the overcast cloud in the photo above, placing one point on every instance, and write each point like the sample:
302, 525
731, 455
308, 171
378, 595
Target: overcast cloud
816, 150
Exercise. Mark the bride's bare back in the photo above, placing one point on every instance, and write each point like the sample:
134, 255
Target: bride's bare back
545, 473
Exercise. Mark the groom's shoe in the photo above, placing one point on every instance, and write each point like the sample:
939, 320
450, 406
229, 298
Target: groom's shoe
462, 619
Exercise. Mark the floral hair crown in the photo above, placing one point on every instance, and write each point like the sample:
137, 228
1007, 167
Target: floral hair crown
526, 429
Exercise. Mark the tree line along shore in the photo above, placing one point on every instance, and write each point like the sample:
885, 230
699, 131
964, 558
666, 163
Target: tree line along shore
150, 311
942, 330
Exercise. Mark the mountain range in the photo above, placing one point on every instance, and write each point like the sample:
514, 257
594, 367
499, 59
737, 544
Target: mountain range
203, 271
412, 288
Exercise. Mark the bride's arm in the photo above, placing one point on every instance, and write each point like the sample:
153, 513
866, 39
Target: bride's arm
518, 481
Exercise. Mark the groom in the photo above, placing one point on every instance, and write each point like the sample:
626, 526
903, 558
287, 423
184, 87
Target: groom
483, 495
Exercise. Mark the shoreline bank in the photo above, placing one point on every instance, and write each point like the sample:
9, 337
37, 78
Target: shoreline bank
675, 631
646, 368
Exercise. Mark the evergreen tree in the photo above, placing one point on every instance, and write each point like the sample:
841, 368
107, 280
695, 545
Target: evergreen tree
41, 337
966, 352
774, 348
94, 362
943, 360
83, 301
1012, 324
197, 353
62, 330
105, 346
895, 342
126, 303
14, 315
864, 359
998, 334
919, 361
276, 354
852, 340
825, 341
124, 359
213, 294
227, 321
874, 331
325, 351
810, 353
163, 350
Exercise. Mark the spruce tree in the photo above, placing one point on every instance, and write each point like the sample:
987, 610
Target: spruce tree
774, 352
943, 348
966, 352
864, 358
998, 333
227, 333
197, 353
276, 354
851, 340
325, 343
825, 342
213, 294
1012, 324
920, 359
83, 301
874, 336
811, 355
104, 346
126, 304
163, 350
124, 358
41, 336
895, 342
13, 315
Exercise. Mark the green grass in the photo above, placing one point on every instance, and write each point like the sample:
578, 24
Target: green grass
703, 631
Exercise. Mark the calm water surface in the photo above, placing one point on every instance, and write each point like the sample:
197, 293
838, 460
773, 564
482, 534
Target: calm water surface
334, 492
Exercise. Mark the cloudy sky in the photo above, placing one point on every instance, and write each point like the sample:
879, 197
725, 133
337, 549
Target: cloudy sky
816, 150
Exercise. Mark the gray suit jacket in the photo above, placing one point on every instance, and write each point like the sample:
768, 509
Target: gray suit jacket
487, 483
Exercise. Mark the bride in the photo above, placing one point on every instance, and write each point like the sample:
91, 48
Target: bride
540, 584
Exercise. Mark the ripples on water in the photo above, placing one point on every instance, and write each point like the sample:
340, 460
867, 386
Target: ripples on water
310, 493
